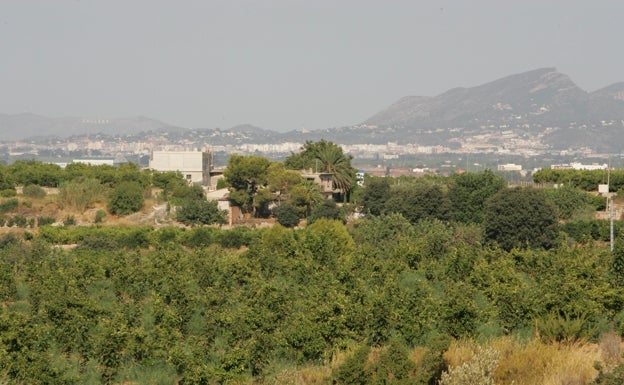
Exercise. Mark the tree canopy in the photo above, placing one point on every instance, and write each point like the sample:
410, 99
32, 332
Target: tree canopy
521, 217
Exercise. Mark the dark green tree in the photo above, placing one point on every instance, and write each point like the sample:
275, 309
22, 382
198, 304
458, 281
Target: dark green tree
468, 193
420, 200
376, 193
521, 218
287, 215
327, 209
245, 175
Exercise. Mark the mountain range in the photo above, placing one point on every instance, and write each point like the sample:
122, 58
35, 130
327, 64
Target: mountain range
541, 105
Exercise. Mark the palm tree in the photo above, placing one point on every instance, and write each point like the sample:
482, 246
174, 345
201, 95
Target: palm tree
333, 160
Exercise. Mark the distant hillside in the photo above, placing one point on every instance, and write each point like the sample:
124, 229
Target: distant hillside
540, 96
22, 126
530, 101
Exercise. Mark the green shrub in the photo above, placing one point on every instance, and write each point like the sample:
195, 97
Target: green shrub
613, 377
200, 212
18, 221
44, 221
7, 193
98, 242
33, 191
558, 328
237, 237
126, 198
8, 206
393, 366
287, 215
583, 231
221, 184
327, 209
201, 237
353, 371
69, 220
99, 216
137, 238
8, 240
169, 234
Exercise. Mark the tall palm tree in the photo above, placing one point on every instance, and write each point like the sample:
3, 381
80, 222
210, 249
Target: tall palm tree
333, 160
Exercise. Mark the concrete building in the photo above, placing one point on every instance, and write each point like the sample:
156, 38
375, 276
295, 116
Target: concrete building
325, 180
195, 166
509, 167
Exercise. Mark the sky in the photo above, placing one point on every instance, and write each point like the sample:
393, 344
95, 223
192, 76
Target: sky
286, 64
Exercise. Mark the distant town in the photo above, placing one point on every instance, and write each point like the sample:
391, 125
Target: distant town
513, 152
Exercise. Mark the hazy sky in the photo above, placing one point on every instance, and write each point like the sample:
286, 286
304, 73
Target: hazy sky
286, 64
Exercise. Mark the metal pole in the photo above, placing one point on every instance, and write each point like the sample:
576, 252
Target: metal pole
611, 224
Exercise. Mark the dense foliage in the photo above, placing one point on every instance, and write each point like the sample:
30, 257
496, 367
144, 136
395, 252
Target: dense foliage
200, 212
521, 217
434, 261
127, 304
126, 198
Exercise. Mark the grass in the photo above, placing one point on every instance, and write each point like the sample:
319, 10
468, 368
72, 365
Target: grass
534, 362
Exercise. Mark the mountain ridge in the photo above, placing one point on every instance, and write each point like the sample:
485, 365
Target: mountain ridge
542, 107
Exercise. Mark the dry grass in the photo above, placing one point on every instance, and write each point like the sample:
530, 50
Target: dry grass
417, 354
534, 362
610, 349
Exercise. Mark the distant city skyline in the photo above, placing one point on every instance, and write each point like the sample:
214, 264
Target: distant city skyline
286, 64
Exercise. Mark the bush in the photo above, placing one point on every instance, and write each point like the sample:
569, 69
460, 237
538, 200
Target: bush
614, 377
7, 193
237, 237
69, 220
200, 237
479, 370
287, 215
393, 365
168, 234
99, 216
98, 242
126, 198
17, 220
353, 371
80, 193
200, 212
327, 209
33, 191
221, 184
8, 206
44, 221
137, 238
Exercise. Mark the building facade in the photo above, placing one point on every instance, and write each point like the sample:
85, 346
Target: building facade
195, 166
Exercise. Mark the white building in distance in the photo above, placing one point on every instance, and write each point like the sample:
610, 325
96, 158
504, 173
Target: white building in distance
195, 166
509, 167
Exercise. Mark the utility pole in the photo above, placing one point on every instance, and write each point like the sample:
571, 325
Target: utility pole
611, 223
610, 203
